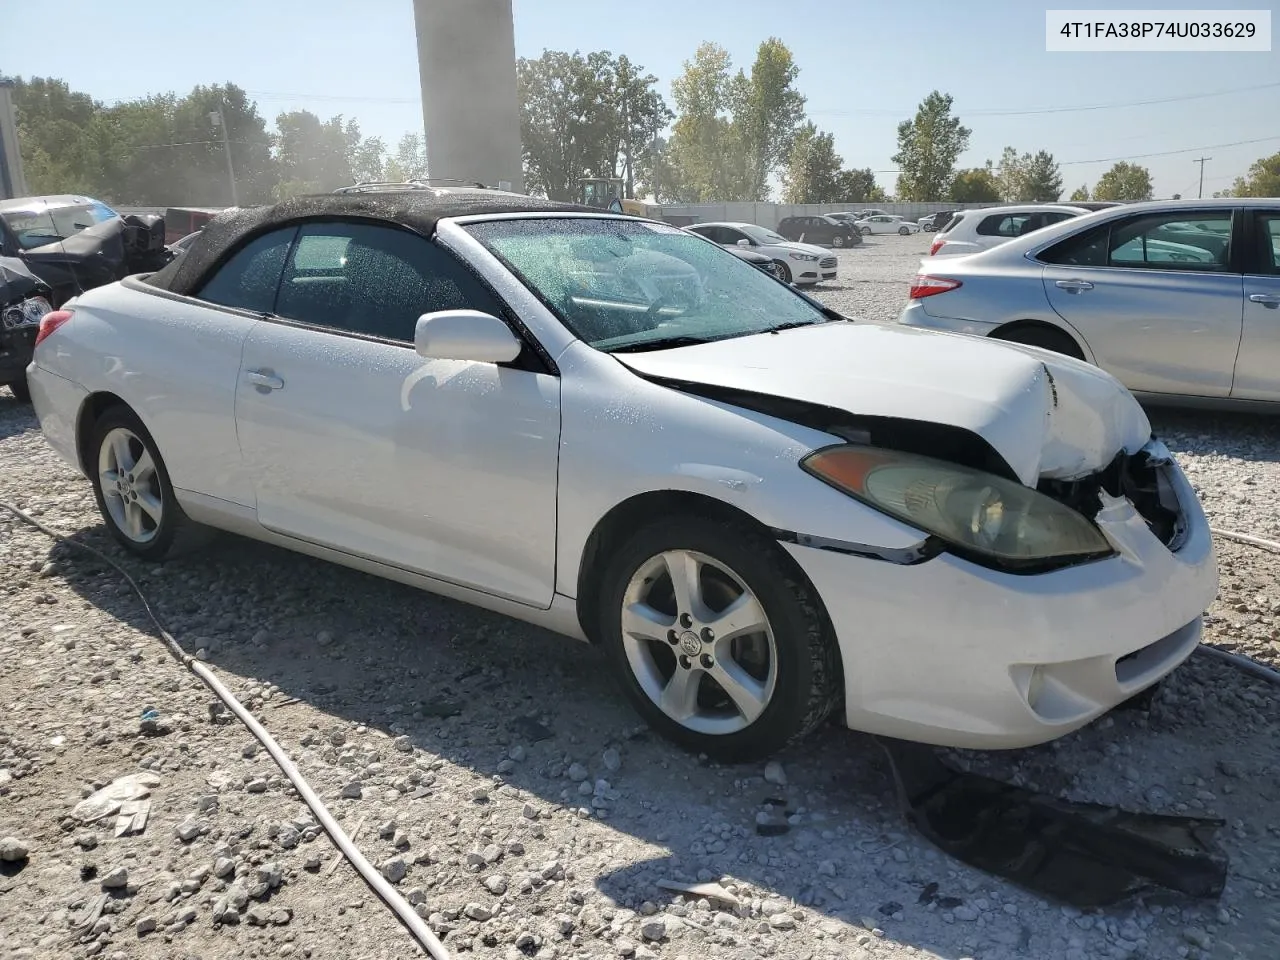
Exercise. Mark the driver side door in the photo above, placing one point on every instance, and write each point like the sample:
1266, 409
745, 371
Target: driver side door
441, 467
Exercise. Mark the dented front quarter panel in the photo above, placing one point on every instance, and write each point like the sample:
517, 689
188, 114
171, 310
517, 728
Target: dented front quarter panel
644, 437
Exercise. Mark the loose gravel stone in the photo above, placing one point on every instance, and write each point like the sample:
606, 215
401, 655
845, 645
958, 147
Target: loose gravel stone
13, 850
116, 879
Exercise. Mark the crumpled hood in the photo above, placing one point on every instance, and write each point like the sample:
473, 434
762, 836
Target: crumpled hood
1049, 416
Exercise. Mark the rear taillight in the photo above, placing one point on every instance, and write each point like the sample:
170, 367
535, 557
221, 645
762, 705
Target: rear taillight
936, 245
926, 286
51, 322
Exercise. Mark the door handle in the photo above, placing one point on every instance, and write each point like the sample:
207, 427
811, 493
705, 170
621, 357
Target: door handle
262, 378
1073, 286
1266, 299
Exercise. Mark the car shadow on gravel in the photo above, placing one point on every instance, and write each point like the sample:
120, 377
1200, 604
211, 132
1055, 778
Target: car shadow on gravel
1200, 432
469, 687
16, 416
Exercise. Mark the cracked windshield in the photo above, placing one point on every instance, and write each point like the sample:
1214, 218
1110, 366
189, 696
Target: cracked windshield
578, 479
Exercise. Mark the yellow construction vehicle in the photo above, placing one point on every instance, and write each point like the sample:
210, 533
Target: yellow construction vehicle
606, 193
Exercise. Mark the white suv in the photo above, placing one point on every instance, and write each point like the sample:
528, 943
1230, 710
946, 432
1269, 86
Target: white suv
973, 230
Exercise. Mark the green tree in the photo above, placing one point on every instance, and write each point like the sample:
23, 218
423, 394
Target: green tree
1263, 179
706, 151
975, 185
858, 186
1124, 181
641, 115
1042, 180
58, 153
584, 117
365, 155
1079, 193
928, 146
312, 156
1011, 175
767, 113
409, 160
812, 174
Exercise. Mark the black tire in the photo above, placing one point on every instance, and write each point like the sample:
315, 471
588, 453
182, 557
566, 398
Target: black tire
866, 231
837, 240
809, 682
784, 272
1046, 338
904, 231
174, 529
21, 390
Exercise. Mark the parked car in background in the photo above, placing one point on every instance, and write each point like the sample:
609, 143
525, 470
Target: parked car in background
1094, 204
972, 230
738, 495
803, 264
934, 221
887, 223
24, 300
1178, 299
820, 230
75, 243
758, 260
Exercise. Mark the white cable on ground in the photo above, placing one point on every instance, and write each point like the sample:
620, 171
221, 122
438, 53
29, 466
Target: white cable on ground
416, 926
1246, 538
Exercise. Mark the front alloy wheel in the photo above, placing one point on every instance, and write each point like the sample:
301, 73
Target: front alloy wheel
715, 640
837, 240
903, 231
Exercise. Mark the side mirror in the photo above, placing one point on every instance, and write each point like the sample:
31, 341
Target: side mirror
744, 242
464, 335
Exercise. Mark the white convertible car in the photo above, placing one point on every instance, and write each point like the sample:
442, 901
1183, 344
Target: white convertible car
760, 511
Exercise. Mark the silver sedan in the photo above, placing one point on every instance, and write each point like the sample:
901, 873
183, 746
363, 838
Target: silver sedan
1178, 299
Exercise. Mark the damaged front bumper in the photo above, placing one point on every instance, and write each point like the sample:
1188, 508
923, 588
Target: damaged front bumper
944, 651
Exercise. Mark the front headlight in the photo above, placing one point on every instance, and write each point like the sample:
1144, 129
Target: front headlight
802, 256
978, 514
25, 314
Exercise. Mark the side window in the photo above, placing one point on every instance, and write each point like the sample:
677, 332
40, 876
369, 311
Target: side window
1268, 234
1088, 249
374, 280
730, 236
248, 280
1169, 241
1003, 226
1052, 218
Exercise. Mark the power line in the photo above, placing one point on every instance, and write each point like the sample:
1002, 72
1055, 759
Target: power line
1000, 112
870, 111
1168, 153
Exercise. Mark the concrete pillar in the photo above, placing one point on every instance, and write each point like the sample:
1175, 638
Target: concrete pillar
467, 62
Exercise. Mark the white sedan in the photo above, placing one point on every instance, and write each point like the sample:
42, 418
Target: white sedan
803, 264
887, 223
761, 512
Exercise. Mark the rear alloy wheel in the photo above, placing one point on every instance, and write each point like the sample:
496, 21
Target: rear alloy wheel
837, 240
714, 641
132, 486
784, 272
903, 231
866, 231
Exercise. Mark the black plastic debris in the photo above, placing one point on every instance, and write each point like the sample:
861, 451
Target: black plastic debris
1082, 854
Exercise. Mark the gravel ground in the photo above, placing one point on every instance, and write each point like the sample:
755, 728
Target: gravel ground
492, 771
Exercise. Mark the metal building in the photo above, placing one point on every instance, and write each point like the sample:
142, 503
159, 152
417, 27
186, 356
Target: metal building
467, 62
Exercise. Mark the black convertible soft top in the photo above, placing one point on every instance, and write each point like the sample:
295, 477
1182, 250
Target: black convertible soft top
417, 210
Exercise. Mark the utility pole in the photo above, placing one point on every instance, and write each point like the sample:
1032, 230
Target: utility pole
219, 119
1201, 162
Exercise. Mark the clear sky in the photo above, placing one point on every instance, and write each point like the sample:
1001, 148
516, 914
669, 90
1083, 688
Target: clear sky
863, 67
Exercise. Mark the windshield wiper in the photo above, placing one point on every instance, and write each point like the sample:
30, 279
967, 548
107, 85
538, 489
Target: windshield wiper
662, 343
